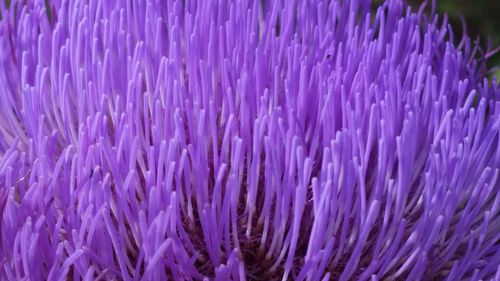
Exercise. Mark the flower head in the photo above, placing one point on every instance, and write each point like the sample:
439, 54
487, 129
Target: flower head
244, 140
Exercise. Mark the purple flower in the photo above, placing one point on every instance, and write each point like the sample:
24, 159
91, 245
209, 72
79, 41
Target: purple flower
244, 140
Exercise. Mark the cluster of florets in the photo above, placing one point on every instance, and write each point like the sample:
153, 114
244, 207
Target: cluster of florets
244, 140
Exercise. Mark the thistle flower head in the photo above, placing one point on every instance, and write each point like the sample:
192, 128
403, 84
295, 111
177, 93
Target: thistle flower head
244, 140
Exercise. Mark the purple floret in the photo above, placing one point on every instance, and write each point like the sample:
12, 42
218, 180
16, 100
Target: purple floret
244, 140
